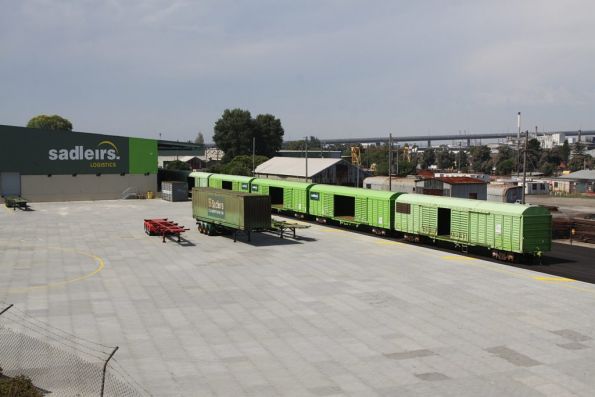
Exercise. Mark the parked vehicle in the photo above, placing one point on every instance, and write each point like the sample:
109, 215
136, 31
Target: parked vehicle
286, 196
218, 210
505, 229
353, 206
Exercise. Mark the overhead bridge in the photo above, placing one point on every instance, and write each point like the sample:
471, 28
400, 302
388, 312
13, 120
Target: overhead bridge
445, 137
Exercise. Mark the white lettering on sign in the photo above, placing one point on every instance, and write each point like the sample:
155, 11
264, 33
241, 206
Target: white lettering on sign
106, 150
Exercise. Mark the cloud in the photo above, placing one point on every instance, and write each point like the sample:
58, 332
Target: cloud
333, 68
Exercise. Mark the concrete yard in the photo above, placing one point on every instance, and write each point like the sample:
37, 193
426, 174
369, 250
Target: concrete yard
334, 313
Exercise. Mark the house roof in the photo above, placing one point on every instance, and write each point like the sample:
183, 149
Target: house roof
458, 180
295, 166
582, 174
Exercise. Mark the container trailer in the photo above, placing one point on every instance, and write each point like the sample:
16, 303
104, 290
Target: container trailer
218, 210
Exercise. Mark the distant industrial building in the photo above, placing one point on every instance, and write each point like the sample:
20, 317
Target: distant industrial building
320, 170
47, 165
484, 177
194, 162
403, 185
459, 186
317, 153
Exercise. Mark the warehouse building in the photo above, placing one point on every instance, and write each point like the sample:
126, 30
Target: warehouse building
47, 165
319, 170
395, 184
460, 186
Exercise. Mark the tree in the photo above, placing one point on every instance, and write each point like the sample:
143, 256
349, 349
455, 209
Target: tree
505, 167
565, 151
269, 135
46, 122
236, 128
481, 159
444, 158
313, 143
579, 159
241, 165
505, 160
200, 139
428, 159
177, 165
533, 154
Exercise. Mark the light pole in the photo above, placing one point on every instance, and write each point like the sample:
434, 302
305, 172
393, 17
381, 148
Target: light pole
306, 153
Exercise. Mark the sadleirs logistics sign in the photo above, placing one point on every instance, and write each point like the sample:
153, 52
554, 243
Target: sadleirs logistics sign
33, 151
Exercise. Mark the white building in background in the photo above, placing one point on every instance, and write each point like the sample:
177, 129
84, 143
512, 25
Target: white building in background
549, 141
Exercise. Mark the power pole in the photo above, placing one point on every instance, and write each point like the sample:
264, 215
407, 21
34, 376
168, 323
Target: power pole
390, 162
253, 154
518, 144
397, 159
306, 152
525, 166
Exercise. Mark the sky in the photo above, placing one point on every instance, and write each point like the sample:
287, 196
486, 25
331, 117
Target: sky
328, 68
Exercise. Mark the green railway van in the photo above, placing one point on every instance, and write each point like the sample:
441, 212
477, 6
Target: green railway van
354, 206
501, 227
236, 183
201, 179
287, 196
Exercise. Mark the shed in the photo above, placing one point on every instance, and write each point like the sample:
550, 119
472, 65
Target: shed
582, 181
459, 186
403, 185
320, 170
504, 192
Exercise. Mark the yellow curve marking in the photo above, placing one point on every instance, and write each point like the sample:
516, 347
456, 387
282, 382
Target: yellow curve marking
553, 278
100, 267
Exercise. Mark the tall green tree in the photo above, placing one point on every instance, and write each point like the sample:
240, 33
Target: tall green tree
236, 128
269, 134
444, 158
46, 122
533, 154
565, 152
579, 159
428, 158
481, 159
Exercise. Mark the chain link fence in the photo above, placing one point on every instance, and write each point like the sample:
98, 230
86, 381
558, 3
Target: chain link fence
60, 363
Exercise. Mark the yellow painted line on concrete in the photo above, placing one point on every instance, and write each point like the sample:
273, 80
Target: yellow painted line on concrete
100, 267
457, 258
553, 279
329, 230
388, 242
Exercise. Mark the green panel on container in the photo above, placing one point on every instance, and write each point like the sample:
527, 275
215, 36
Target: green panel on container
143, 156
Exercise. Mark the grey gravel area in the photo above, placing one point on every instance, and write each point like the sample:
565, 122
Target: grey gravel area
334, 313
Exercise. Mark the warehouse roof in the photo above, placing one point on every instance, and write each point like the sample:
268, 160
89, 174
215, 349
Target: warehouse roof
294, 166
457, 180
480, 206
